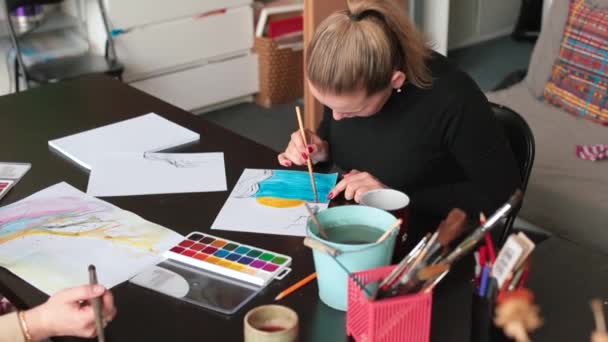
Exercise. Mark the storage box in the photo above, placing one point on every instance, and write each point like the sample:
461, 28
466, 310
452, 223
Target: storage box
280, 71
402, 318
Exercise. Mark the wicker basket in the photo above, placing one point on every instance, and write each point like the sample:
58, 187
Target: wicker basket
280, 72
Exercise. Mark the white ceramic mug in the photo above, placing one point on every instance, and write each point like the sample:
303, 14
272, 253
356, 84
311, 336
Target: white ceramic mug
393, 201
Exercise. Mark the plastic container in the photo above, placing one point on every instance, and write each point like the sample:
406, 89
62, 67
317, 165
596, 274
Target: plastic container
402, 318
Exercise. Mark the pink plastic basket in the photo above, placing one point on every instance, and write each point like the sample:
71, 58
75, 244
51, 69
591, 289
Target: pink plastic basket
398, 319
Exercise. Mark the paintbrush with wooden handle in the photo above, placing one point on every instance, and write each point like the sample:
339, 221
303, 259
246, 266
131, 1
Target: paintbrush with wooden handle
470, 242
449, 229
423, 275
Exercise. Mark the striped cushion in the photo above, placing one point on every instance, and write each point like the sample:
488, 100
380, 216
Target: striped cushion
579, 79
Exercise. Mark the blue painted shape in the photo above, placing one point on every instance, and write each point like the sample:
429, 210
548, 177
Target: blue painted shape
296, 185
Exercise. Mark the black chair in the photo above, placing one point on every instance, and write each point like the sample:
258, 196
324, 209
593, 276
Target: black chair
521, 140
60, 69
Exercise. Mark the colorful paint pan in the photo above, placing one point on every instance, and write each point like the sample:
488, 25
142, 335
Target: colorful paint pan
230, 258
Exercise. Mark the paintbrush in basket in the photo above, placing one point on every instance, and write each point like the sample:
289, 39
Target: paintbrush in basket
403, 265
425, 274
448, 230
471, 241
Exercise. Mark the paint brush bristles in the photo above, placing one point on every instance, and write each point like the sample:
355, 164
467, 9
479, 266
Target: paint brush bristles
97, 307
598, 314
390, 230
312, 214
308, 161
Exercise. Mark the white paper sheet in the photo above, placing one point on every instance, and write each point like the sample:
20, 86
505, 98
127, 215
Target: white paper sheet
127, 174
50, 238
272, 202
145, 133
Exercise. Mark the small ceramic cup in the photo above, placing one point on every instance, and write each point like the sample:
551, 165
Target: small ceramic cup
271, 323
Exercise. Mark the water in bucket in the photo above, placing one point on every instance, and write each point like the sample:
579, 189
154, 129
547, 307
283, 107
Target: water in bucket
353, 231
355, 234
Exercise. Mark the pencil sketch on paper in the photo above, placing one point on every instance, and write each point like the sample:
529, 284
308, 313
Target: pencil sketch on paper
129, 174
49, 239
183, 160
272, 201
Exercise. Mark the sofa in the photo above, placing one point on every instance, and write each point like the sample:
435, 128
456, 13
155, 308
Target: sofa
566, 196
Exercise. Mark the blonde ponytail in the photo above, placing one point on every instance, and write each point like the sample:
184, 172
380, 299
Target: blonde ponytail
363, 46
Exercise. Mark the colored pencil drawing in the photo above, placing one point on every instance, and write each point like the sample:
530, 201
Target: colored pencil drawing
46, 237
272, 201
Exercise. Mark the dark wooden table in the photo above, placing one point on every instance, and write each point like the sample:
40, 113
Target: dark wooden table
30, 119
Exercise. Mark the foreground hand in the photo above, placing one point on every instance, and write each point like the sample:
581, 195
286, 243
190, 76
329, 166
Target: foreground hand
355, 184
298, 151
69, 313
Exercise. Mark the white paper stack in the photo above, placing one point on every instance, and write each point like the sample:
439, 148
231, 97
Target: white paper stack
146, 133
123, 162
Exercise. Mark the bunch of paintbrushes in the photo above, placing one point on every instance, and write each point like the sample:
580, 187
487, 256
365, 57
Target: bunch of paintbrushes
416, 269
430, 261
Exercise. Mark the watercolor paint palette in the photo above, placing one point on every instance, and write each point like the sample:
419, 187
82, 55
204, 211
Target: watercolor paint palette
10, 174
243, 262
214, 273
5, 186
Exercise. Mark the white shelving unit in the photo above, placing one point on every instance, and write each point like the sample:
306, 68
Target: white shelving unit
193, 54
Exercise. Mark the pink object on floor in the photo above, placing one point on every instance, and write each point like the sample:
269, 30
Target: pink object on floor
592, 152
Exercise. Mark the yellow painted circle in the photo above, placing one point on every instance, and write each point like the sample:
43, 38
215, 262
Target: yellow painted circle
276, 202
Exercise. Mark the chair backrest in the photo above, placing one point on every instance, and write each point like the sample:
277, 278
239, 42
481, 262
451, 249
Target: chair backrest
521, 139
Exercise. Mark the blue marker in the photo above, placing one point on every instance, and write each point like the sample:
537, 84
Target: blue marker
484, 281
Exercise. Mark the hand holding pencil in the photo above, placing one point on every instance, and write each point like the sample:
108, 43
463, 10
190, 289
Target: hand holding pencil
69, 313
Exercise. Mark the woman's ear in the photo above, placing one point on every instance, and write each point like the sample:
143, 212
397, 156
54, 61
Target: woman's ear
398, 79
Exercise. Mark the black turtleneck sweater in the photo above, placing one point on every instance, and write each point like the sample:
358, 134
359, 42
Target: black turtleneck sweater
442, 145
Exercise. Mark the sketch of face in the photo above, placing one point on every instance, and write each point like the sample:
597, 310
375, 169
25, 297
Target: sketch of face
173, 160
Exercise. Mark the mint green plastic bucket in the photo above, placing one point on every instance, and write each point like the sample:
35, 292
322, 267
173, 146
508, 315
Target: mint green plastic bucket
331, 277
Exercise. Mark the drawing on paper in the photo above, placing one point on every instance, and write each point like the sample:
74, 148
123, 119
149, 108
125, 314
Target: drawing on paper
135, 173
282, 188
49, 239
272, 201
180, 160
